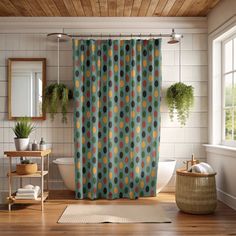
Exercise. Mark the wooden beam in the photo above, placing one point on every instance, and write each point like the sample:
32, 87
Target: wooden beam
175, 8
61, 7
45, 7
160, 6
8, 9
22, 7
87, 7
70, 7
184, 8
51, 5
112, 5
136, 7
78, 7
210, 4
95, 7
167, 7
120, 7
128, 7
144, 7
152, 6
35, 8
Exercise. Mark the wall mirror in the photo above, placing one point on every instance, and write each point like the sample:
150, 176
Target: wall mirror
26, 83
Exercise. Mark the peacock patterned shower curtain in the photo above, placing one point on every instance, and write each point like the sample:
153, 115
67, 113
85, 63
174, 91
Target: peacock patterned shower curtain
117, 85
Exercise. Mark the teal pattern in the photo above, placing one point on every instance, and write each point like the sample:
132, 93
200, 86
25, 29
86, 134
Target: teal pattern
117, 86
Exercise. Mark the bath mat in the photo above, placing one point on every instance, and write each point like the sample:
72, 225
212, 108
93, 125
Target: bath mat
93, 214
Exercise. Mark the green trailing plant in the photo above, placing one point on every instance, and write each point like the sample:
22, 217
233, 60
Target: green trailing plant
26, 161
57, 96
180, 98
23, 127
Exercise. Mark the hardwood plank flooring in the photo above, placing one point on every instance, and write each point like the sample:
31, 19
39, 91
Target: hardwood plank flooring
28, 220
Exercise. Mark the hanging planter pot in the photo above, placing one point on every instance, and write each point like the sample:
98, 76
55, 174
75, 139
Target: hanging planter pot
56, 97
180, 98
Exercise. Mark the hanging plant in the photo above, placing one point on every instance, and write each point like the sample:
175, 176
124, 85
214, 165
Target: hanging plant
57, 96
180, 98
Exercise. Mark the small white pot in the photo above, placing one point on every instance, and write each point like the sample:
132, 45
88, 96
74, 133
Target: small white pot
22, 144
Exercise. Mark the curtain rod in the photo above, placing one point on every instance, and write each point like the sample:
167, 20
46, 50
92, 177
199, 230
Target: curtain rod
64, 37
119, 35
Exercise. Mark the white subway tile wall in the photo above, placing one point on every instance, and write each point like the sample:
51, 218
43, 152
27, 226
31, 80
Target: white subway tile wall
176, 142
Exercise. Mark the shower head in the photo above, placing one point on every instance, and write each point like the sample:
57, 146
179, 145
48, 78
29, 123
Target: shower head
61, 36
175, 38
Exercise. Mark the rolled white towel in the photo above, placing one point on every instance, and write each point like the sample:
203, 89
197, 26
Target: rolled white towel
28, 186
207, 167
201, 168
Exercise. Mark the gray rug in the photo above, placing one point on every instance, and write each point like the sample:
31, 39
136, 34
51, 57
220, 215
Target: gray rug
93, 214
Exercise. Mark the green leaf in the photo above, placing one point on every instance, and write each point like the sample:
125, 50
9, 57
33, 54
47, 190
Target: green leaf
180, 98
57, 96
23, 127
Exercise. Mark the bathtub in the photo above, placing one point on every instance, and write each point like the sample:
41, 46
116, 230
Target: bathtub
67, 170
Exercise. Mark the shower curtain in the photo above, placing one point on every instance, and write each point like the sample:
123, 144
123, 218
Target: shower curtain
117, 85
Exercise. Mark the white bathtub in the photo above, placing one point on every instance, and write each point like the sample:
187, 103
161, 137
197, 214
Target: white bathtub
67, 170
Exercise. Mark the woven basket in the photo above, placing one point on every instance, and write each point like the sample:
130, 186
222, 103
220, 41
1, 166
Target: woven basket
195, 192
26, 169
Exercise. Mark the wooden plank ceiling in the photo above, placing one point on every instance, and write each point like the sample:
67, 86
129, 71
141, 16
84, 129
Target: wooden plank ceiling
106, 7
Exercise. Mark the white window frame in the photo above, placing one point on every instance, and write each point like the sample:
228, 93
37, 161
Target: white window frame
223, 74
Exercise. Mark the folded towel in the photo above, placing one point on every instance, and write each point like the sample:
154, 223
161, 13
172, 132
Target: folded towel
25, 197
28, 190
201, 168
28, 193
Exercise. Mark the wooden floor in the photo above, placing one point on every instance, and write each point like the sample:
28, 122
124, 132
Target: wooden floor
29, 221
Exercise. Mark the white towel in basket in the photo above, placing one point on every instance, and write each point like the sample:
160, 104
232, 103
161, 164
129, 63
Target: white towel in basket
201, 168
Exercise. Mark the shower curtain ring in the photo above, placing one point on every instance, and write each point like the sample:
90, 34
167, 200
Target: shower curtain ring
140, 36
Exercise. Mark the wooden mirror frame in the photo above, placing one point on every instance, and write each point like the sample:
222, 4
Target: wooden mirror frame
10, 60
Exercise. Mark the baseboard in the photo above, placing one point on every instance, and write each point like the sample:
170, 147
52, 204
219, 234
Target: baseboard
168, 189
226, 198
3, 197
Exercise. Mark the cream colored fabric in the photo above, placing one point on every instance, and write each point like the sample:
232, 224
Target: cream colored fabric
90, 214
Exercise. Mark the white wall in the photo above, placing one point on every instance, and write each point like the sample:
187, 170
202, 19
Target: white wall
220, 14
221, 20
21, 38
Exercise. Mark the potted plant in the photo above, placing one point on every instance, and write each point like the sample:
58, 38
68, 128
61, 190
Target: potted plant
57, 95
22, 130
180, 97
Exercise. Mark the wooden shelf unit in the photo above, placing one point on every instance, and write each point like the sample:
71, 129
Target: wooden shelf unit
35, 175
29, 201
39, 174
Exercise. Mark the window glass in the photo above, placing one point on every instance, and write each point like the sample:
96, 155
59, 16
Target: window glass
229, 93
228, 56
235, 54
228, 90
228, 124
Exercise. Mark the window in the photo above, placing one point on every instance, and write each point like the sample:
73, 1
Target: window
229, 90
